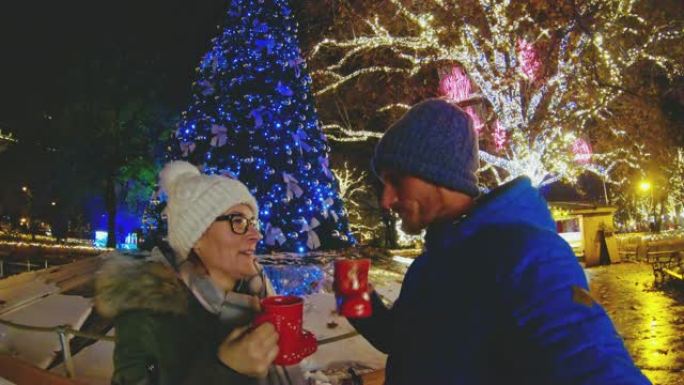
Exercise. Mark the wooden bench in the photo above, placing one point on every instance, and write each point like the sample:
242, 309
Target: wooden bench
628, 254
666, 264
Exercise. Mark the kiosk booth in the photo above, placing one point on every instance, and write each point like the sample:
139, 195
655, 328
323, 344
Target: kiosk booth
589, 230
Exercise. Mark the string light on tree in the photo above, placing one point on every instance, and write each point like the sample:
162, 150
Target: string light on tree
675, 182
540, 78
407, 240
356, 195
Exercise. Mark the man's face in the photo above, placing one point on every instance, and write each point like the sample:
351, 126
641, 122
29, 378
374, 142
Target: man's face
415, 200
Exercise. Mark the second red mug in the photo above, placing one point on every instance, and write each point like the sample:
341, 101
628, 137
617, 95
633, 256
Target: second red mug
351, 287
351, 276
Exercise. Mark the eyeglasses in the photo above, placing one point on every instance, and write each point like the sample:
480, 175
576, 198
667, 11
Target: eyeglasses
239, 223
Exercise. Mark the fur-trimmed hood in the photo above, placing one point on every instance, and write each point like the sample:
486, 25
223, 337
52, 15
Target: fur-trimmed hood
128, 283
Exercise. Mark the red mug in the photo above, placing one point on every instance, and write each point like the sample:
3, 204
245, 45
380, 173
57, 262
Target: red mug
351, 287
351, 276
286, 314
355, 305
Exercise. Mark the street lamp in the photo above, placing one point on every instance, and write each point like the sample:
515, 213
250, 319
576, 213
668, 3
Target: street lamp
29, 199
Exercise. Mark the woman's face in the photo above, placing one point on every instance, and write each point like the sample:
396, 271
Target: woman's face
223, 251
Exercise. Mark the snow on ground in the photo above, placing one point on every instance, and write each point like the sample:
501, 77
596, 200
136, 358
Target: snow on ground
321, 319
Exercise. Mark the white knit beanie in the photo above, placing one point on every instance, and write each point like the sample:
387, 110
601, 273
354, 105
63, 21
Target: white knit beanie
195, 200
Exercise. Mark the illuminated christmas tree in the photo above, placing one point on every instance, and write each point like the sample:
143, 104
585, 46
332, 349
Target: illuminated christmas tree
253, 118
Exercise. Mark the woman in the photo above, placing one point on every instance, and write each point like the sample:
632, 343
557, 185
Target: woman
182, 315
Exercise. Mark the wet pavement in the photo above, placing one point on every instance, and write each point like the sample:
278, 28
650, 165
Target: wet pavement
651, 320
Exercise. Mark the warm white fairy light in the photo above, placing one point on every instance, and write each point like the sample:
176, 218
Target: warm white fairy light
29, 244
338, 133
675, 202
533, 110
7, 137
394, 105
350, 181
339, 80
354, 190
405, 239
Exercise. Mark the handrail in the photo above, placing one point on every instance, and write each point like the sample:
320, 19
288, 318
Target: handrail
57, 329
62, 332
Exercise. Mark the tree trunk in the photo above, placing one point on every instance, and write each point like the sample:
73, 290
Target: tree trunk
659, 219
110, 205
390, 230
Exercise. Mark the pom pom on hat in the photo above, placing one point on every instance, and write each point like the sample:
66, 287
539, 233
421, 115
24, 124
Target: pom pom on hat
173, 170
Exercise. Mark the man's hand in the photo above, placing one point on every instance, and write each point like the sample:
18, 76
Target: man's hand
250, 352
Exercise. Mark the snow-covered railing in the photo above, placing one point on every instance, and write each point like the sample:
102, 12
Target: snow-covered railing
26, 265
63, 331
25, 297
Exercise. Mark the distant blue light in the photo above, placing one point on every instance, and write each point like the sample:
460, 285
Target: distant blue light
100, 239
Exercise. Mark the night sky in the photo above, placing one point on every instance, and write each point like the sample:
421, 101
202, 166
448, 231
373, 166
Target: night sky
41, 40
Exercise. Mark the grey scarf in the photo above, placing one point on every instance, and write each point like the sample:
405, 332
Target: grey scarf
237, 307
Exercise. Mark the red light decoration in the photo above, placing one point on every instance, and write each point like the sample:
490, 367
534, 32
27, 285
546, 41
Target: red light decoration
582, 150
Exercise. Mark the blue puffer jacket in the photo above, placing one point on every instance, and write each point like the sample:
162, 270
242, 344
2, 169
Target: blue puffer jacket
498, 298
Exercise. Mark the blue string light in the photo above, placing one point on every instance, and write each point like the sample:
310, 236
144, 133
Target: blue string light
252, 115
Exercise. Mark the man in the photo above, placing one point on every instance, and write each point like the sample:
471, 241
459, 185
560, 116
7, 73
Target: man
497, 297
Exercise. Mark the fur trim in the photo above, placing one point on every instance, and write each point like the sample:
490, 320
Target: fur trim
125, 283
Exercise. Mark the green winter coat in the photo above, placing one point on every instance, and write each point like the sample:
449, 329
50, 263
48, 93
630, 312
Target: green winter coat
163, 335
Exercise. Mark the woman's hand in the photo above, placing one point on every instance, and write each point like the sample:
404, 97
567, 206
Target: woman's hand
255, 303
250, 351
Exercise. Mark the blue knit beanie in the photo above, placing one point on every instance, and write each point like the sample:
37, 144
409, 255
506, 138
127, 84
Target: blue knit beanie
434, 141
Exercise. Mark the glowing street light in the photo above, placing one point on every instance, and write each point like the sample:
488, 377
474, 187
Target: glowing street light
645, 186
